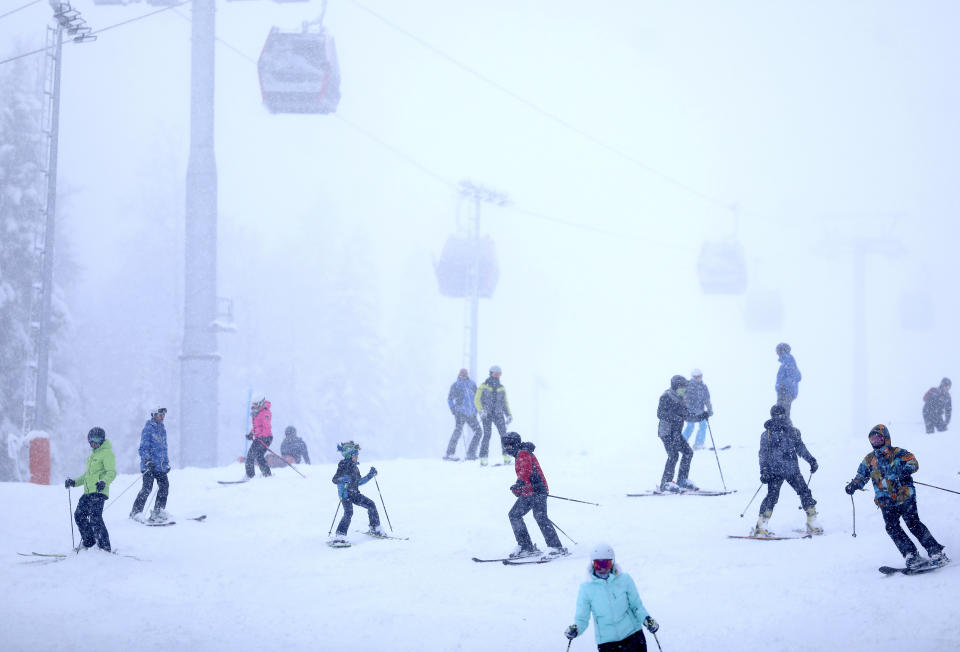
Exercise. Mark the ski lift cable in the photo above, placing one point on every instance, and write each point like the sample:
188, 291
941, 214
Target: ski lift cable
13, 11
545, 113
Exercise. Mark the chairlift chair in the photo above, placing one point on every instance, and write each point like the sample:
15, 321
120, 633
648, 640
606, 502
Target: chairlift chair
299, 72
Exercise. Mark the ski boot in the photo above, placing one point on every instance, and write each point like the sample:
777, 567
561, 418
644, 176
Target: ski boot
813, 525
158, 516
913, 560
557, 552
760, 529
669, 487
483, 461
686, 485
521, 552
939, 558
506, 459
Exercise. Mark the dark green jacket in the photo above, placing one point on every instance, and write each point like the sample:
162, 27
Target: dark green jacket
101, 465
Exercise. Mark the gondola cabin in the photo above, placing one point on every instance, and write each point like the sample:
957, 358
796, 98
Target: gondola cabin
299, 72
459, 259
722, 268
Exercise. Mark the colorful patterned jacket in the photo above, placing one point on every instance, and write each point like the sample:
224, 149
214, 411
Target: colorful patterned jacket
891, 471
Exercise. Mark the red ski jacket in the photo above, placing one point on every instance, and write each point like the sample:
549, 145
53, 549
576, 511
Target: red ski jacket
530, 476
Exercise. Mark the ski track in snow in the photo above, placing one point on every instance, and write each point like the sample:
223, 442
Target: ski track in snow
257, 574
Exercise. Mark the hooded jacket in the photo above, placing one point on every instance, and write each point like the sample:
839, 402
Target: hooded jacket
937, 405
788, 375
153, 446
617, 609
261, 422
671, 411
101, 465
891, 470
530, 477
780, 444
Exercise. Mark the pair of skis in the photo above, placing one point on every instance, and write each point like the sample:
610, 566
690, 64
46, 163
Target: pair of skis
343, 543
685, 492
148, 523
51, 557
916, 570
522, 561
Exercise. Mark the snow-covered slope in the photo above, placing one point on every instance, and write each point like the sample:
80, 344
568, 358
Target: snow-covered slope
257, 575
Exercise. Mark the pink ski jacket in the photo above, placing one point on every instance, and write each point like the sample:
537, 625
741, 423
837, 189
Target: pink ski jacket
261, 422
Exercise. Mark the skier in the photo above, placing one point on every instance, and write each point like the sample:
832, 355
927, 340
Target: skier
891, 470
780, 444
699, 409
618, 613
491, 402
261, 435
154, 465
460, 399
937, 407
531, 491
100, 472
348, 481
671, 413
293, 446
788, 378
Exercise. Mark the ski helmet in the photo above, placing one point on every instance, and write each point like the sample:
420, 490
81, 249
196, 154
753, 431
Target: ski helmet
778, 411
157, 411
881, 430
96, 435
696, 373
511, 440
495, 370
602, 559
348, 448
603, 551
678, 381
290, 431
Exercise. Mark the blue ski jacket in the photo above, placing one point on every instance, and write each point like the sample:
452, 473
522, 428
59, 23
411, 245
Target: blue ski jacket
615, 604
788, 375
153, 447
461, 395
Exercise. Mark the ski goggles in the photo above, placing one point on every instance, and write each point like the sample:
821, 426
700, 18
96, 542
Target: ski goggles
602, 565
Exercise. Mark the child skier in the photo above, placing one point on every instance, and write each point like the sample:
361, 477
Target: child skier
348, 481
531, 491
261, 434
891, 470
618, 613
780, 444
100, 472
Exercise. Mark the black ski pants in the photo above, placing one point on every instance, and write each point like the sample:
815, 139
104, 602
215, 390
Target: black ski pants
163, 488
257, 450
89, 518
537, 503
357, 498
676, 445
908, 512
799, 485
488, 422
471, 420
633, 643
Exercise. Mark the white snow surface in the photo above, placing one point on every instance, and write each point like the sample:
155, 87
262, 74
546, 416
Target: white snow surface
257, 574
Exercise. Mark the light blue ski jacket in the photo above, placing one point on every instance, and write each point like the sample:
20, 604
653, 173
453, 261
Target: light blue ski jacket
615, 604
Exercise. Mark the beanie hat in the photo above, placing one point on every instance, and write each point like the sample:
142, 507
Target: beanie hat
678, 381
290, 430
783, 347
778, 411
464, 373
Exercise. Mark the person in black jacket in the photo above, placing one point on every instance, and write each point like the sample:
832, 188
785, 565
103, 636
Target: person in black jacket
780, 445
671, 412
293, 446
937, 407
348, 481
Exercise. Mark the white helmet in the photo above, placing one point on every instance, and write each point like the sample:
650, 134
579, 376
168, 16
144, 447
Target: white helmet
696, 373
603, 551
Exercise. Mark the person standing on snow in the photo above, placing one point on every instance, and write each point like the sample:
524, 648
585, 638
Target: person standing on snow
154, 465
293, 446
491, 402
780, 444
460, 400
891, 470
699, 409
348, 481
100, 472
788, 378
618, 612
261, 435
672, 411
531, 491
937, 407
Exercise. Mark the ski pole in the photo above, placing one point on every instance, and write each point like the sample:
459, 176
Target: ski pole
564, 533
381, 502
568, 644
124, 491
337, 511
573, 500
287, 463
751, 500
854, 506
936, 487
809, 477
73, 541
657, 640
716, 454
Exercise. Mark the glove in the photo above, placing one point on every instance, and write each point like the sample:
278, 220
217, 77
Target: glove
703, 416
765, 477
572, 632
814, 466
372, 472
850, 488
710, 413
101, 485
250, 435
150, 467
515, 488
508, 419
651, 624
69, 483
